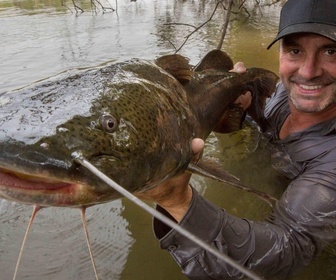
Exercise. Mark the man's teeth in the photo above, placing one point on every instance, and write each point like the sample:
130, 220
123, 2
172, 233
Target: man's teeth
311, 87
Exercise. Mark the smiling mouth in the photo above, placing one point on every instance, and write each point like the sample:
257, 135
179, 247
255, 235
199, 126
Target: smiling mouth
310, 88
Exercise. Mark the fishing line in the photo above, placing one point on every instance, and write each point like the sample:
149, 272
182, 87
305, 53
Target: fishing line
78, 157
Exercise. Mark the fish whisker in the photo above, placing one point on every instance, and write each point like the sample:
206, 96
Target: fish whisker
35, 209
82, 210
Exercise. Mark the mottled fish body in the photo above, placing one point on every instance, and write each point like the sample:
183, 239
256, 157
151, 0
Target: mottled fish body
134, 121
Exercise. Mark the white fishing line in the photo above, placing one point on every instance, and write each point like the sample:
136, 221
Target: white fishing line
78, 157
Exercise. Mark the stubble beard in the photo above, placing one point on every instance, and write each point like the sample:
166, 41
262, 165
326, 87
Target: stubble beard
311, 103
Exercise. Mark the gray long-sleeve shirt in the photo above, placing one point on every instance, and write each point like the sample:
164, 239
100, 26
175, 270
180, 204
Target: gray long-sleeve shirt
301, 224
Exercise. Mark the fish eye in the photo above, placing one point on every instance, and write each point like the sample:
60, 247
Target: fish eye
108, 123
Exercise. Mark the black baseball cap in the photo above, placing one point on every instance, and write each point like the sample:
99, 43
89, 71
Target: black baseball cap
308, 16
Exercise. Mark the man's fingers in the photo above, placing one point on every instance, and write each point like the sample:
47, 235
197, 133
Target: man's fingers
197, 145
239, 67
244, 100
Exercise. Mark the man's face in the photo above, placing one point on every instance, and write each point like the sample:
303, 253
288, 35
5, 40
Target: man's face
308, 71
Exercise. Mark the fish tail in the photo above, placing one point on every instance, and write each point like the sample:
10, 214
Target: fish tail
261, 83
215, 59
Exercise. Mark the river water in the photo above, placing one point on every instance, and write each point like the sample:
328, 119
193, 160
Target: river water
40, 39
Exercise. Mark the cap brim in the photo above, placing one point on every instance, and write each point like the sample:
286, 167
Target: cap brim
325, 30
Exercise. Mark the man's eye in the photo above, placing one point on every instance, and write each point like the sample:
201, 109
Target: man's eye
295, 51
330, 52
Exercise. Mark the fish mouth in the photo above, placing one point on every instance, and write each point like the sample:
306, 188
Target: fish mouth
13, 179
44, 190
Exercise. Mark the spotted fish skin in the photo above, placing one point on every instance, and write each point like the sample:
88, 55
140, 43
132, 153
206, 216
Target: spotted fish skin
133, 120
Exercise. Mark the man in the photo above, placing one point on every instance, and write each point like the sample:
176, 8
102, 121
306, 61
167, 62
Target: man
302, 129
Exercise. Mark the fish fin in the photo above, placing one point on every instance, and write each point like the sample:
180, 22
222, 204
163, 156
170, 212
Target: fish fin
176, 65
210, 168
215, 59
232, 119
262, 87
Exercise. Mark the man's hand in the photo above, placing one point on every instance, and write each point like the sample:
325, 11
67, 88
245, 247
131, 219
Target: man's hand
239, 68
234, 114
245, 99
175, 194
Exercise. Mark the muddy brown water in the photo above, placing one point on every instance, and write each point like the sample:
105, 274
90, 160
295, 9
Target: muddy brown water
43, 38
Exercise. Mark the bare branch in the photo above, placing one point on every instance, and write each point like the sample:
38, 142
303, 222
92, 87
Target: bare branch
104, 9
183, 24
199, 27
225, 25
77, 7
66, 6
96, 5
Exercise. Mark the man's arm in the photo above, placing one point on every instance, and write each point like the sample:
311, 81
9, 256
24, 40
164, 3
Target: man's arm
301, 225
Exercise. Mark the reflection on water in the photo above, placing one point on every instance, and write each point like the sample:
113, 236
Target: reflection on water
56, 246
42, 38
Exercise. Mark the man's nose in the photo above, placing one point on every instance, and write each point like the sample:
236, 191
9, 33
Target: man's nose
310, 68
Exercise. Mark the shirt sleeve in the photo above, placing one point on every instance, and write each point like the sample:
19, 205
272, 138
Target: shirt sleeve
300, 226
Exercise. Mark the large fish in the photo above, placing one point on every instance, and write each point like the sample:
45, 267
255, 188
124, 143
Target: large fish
134, 121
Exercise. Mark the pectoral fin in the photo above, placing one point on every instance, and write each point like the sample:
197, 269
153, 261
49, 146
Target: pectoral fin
209, 168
